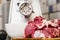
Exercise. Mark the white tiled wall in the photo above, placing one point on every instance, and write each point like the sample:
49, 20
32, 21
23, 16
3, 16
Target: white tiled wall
58, 7
51, 2
55, 7
45, 9
43, 2
55, 15
45, 16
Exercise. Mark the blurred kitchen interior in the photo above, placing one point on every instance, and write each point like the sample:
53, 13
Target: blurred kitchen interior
50, 10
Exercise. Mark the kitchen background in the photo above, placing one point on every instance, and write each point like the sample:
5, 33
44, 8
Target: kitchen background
50, 10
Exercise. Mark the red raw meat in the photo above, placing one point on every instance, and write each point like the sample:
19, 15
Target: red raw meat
55, 22
58, 22
30, 29
40, 22
52, 23
48, 32
39, 26
54, 32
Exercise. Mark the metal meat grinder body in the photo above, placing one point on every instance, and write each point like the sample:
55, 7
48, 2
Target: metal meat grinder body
21, 11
